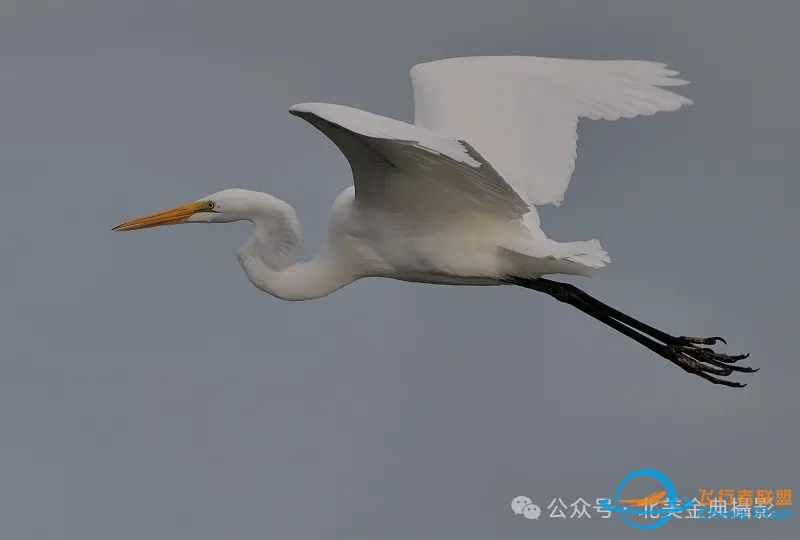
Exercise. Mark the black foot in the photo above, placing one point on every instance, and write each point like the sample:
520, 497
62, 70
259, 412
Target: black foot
688, 340
704, 361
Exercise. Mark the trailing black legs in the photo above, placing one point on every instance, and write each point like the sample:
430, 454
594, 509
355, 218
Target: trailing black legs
689, 353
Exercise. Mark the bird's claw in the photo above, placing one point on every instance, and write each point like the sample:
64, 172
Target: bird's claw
705, 362
688, 340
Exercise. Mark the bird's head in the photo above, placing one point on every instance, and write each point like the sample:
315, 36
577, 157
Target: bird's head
221, 207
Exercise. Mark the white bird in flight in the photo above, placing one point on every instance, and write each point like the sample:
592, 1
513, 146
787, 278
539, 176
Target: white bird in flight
451, 198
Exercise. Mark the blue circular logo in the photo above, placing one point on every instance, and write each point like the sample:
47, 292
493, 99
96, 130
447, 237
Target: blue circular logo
666, 513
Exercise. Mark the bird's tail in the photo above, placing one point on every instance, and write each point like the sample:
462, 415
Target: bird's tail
546, 256
587, 253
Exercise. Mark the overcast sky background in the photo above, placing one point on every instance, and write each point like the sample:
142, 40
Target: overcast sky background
147, 390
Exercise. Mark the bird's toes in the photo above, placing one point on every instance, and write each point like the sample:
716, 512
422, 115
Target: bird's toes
707, 363
717, 380
689, 340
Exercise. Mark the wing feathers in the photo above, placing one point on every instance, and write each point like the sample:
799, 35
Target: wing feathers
405, 167
521, 112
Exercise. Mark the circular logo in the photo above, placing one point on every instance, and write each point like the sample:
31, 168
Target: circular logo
666, 513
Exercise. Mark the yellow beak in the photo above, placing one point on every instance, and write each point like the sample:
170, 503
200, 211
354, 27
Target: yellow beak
180, 214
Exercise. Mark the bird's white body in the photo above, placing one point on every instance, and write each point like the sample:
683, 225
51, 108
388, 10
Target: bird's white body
365, 243
451, 198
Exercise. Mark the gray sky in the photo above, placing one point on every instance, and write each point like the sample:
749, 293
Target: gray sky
147, 390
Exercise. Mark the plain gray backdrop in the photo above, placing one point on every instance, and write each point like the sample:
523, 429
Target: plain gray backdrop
147, 390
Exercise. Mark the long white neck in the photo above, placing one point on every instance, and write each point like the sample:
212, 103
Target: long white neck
268, 257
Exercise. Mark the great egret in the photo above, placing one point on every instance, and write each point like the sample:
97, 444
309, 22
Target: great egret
450, 199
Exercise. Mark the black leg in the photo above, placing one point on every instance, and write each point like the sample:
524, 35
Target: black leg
681, 351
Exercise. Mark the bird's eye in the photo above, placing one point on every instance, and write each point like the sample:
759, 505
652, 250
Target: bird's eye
210, 205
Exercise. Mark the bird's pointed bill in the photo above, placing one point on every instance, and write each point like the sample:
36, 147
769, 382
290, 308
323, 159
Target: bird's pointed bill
173, 216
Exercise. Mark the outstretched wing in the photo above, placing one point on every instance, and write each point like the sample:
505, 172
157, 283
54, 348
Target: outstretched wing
521, 112
411, 169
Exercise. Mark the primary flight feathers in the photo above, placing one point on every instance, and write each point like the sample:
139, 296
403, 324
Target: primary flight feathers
521, 112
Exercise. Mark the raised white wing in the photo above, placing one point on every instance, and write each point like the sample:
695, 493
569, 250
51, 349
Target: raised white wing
409, 168
521, 112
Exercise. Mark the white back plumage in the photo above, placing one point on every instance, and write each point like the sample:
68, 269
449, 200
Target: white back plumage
521, 112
